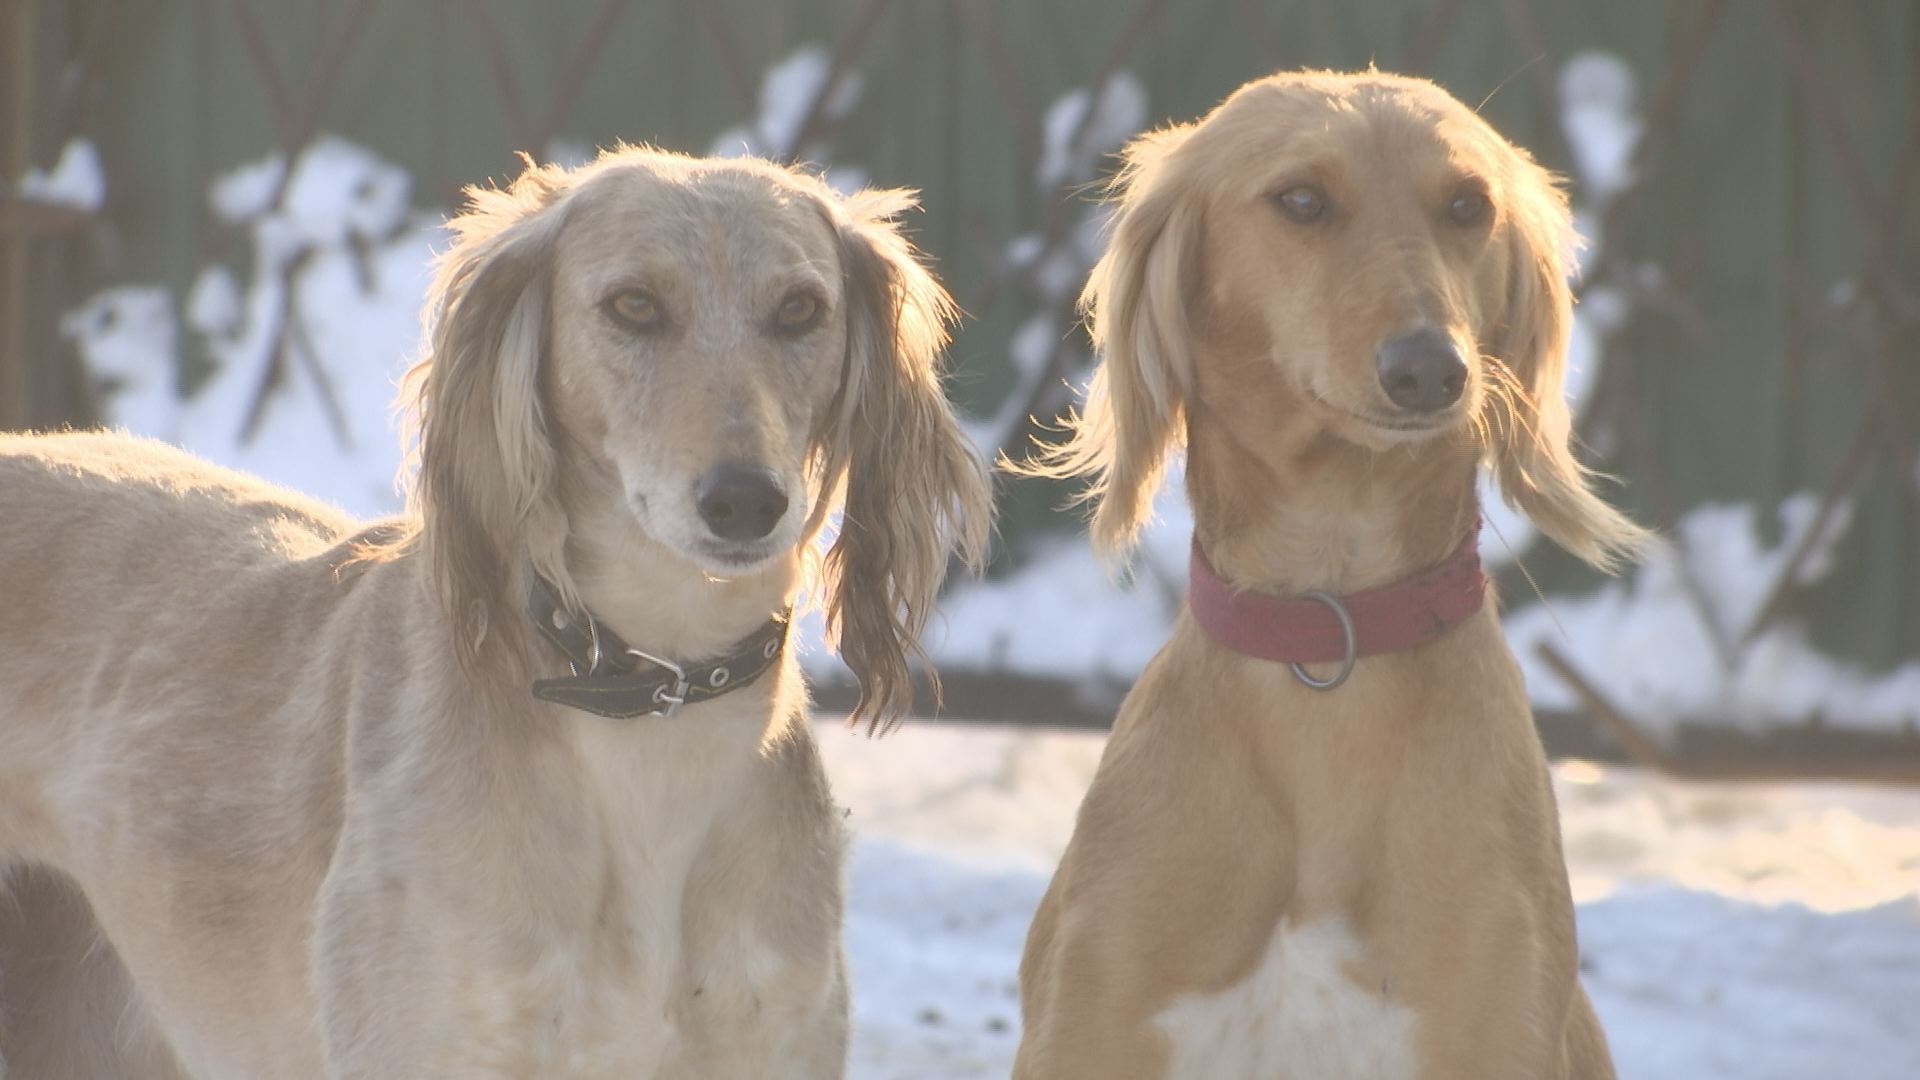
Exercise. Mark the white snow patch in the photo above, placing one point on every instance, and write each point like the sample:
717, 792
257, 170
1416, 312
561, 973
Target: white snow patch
1693, 985
787, 95
1031, 349
1507, 533
1122, 111
214, 305
128, 339
1063, 614
1022, 250
569, 152
847, 180
1057, 612
339, 190
1665, 646
1596, 112
76, 179
323, 429
333, 305
247, 192
1061, 273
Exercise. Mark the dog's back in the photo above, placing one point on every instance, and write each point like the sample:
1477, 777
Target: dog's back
121, 556
118, 553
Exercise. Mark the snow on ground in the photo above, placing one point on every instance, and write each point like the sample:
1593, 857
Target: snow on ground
1765, 931
1677, 641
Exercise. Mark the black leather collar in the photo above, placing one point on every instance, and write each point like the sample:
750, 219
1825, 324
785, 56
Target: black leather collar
612, 679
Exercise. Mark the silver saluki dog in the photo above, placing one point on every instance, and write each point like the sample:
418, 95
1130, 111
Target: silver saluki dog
517, 784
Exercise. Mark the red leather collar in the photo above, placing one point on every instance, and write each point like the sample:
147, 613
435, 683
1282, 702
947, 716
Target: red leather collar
1309, 629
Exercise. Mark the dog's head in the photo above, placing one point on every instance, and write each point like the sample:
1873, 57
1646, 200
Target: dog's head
714, 352
1373, 260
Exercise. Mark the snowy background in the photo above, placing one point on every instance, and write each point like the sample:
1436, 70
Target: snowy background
1764, 930
308, 335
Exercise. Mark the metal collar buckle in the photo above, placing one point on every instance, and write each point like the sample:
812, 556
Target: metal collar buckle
1353, 644
595, 656
671, 696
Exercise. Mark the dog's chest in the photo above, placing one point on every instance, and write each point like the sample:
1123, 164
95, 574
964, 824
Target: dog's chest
1299, 1015
609, 982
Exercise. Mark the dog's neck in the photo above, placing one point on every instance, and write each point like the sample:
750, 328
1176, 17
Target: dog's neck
662, 603
1282, 506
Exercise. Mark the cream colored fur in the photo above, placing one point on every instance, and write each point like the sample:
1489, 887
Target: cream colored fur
282, 802
1267, 880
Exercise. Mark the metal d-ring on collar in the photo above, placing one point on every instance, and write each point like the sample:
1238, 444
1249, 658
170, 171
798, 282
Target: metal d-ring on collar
595, 653
612, 679
675, 696
672, 696
1353, 644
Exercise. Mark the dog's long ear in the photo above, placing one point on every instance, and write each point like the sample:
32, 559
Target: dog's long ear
916, 490
1530, 425
485, 485
1136, 302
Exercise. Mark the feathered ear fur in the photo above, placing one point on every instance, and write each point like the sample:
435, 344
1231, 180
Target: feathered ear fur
1530, 425
916, 490
484, 491
1136, 303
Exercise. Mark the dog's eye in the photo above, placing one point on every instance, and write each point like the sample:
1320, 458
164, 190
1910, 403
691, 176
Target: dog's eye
634, 309
1305, 204
1469, 208
797, 313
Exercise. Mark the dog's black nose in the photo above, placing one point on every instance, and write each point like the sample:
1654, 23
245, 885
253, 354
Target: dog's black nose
740, 501
1422, 371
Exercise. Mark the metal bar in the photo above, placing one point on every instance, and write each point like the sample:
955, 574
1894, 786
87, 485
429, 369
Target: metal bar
1431, 33
576, 72
27, 219
732, 58
1007, 77
1852, 469
1639, 746
1874, 211
70, 100
324, 75
503, 77
1524, 21
254, 40
1263, 32
297, 341
843, 54
1894, 763
16, 355
1057, 231
1660, 119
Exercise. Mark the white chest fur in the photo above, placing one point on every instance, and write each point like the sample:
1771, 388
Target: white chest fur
610, 980
1298, 1016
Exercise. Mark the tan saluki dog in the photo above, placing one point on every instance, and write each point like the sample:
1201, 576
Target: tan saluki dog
1343, 293
518, 784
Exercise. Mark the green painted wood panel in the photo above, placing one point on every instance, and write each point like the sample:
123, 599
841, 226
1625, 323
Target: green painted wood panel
1741, 381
